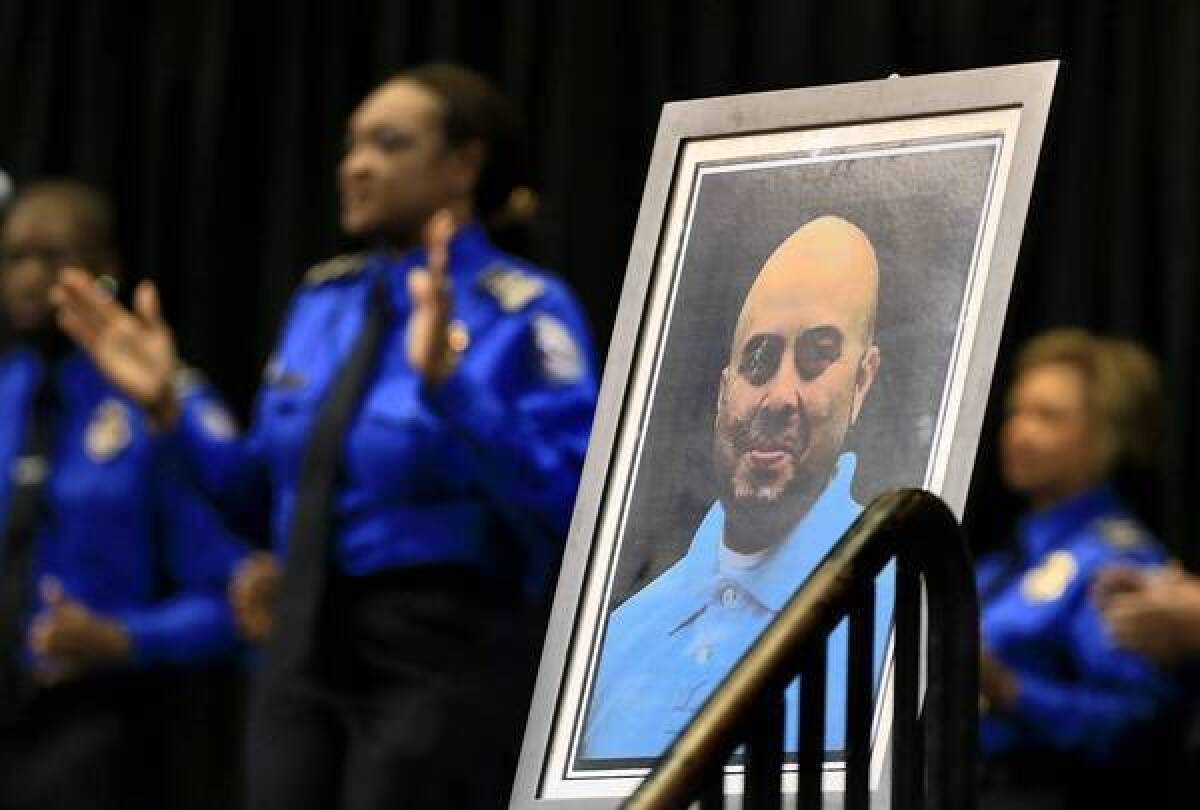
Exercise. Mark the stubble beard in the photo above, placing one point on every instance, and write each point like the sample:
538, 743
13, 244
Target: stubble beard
761, 510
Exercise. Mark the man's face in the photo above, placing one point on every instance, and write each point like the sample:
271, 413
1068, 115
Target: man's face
398, 169
800, 367
1045, 447
39, 238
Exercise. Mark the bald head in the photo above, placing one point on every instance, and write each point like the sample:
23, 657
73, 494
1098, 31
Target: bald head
801, 364
826, 266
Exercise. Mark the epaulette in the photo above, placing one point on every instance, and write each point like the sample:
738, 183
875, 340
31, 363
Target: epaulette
1121, 533
512, 288
337, 267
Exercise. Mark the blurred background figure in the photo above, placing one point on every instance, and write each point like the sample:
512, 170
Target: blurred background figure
111, 571
414, 455
1063, 708
1156, 614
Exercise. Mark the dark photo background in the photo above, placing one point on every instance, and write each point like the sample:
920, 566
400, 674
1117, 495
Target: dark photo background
216, 125
920, 209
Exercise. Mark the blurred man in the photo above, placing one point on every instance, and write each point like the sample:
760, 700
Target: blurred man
801, 364
1058, 697
110, 567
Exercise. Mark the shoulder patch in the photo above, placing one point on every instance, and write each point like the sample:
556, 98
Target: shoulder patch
1121, 533
109, 431
512, 288
335, 268
561, 359
1050, 579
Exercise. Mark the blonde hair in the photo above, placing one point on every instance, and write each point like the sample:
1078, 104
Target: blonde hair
1122, 392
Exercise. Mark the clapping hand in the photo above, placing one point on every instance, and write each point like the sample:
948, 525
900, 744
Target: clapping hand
134, 350
429, 350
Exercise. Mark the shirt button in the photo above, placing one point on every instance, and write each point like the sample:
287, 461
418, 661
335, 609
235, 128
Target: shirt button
730, 598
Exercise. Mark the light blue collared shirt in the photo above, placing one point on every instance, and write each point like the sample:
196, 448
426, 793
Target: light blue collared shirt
668, 647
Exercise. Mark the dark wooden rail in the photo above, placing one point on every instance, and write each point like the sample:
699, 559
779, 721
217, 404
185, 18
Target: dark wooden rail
933, 742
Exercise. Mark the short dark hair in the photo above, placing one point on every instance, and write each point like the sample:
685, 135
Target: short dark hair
89, 209
474, 109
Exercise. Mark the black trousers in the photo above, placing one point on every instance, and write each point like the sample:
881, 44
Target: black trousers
84, 746
416, 699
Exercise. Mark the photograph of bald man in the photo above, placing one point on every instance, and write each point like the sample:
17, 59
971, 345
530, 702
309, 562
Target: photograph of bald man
802, 363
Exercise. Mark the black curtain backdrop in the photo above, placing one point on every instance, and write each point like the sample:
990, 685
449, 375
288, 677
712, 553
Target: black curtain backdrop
217, 125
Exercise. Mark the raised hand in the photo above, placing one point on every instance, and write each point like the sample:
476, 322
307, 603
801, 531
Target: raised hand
429, 350
134, 350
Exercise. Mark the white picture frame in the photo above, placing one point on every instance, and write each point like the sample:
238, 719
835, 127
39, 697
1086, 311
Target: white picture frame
936, 171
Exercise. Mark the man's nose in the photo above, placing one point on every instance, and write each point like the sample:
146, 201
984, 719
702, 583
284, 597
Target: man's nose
782, 391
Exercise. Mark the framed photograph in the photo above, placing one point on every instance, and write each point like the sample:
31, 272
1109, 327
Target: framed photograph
810, 316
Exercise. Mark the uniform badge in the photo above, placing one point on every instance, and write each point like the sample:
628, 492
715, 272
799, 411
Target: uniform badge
217, 422
1121, 533
561, 360
1049, 580
511, 288
109, 432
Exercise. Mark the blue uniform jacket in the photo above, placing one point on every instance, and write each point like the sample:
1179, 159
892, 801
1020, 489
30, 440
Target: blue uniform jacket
481, 471
121, 532
670, 644
1078, 693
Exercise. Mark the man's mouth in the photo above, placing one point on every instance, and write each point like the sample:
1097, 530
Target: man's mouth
767, 457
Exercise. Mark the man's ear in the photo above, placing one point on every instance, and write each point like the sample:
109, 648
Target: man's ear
864, 379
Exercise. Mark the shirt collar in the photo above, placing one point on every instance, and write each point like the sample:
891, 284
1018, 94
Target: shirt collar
470, 250
775, 578
1047, 529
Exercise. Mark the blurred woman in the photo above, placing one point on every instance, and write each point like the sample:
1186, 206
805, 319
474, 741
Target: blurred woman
111, 569
414, 456
1059, 698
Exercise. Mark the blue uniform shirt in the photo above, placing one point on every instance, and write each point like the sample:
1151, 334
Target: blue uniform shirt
1078, 693
481, 471
670, 644
119, 525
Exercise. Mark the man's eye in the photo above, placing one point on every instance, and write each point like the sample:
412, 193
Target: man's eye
760, 358
816, 350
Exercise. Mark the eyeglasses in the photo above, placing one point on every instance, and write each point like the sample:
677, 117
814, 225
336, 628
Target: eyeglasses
816, 350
